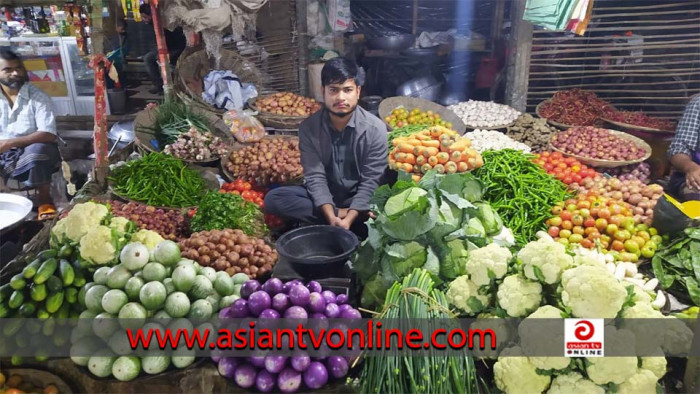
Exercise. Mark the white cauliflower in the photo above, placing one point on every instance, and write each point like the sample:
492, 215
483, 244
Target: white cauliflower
604, 370
505, 238
644, 326
642, 382
120, 224
98, 246
532, 340
544, 260
640, 296
487, 263
657, 365
574, 382
79, 221
677, 336
499, 326
519, 296
464, 294
516, 374
585, 256
147, 237
592, 292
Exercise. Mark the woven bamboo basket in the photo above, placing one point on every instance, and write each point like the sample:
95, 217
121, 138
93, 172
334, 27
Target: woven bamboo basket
611, 163
230, 176
627, 126
39, 378
147, 118
282, 122
194, 65
558, 124
389, 104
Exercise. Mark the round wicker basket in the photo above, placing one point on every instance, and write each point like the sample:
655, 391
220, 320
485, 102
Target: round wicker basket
389, 104
282, 122
611, 163
194, 65
555, 123
627, 126
230, 176
146, 119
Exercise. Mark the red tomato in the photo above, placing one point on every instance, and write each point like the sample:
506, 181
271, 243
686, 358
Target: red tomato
567, 180
566, 215
236, 192
553, 231
576, 178
556, 155
548, 167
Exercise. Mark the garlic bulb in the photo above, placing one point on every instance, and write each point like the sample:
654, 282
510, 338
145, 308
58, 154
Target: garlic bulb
484, 113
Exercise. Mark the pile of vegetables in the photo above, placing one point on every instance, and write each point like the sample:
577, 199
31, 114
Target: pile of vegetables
641, 172
404, 131
483, 140
17, 385
484, 114
641, 119
641, 197
591, 221
430, 225
417, 298
231, 251
270, 161
172, 119
596, 143
543, 280
245, 190
532, 131
287, 103
292, 300
158, 179
436, 148
147, 283
566, 169
520, 191
194, 145
401, 117
169, 223
677, 265
576, 107
218, 211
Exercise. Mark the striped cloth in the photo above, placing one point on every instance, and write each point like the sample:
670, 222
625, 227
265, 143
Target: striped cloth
32, 165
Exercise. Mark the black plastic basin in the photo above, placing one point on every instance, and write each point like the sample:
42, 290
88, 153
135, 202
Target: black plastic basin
317, 251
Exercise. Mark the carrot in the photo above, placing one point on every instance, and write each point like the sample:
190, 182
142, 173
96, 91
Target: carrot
431, 143
414, 141
456, 156
416, 178
435, 132
433, 161
405, 147
429, 151
409, 158
408, 167
450, 167
443, 157
399, 156
471, 162
420, 160
462, 166
425, 168
479, 161
439, 168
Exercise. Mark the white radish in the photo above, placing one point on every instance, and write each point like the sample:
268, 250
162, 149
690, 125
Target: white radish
620, 271
630, 269
610, 267
651, 284
660, 300
637, 282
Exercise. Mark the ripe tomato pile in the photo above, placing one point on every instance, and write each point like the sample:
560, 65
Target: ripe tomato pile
566, 169
245, 190
591, 219
257, 197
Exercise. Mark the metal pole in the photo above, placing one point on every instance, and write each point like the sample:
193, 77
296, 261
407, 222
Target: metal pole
163, 55
99, 64
414, 28
302, 45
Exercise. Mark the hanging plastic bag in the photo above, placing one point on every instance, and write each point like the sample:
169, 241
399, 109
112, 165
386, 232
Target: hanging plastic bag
244, 127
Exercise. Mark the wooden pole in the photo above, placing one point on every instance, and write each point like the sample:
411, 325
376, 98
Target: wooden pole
414, 28
99, 64
163, 55
518, 62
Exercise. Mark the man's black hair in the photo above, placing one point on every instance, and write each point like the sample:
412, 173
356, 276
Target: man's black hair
145, 9
339, 70
7, 54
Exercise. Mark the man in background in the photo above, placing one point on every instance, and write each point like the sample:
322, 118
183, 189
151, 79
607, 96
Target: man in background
684, 154
28, 149
174, 40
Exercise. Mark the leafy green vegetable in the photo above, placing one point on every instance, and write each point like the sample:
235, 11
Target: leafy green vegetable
405, 131
226, 210
430, 225
173, 118
677, 265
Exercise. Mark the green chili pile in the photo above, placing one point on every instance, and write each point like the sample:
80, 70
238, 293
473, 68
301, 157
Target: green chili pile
219, 211
160, 180
520, 191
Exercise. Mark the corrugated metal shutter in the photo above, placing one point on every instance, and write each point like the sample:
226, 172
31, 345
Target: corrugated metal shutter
656, 69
